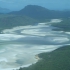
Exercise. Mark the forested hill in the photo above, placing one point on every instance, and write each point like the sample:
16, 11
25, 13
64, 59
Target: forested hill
38, 12
56, 60
9, 21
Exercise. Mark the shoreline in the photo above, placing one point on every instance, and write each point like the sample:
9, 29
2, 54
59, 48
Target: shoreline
36, 57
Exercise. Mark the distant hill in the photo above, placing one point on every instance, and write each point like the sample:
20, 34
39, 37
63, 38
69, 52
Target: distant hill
38, 12
4, 10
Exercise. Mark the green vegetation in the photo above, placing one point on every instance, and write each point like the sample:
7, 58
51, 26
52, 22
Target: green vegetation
64, 25
9, 21
56, 60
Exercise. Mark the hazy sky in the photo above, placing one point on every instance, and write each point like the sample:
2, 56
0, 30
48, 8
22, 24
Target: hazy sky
50, 4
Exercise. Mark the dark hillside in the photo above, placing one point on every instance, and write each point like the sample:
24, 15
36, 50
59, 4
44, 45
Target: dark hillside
9, 21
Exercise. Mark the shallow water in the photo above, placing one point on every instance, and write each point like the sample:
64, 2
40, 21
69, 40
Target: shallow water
19, 45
